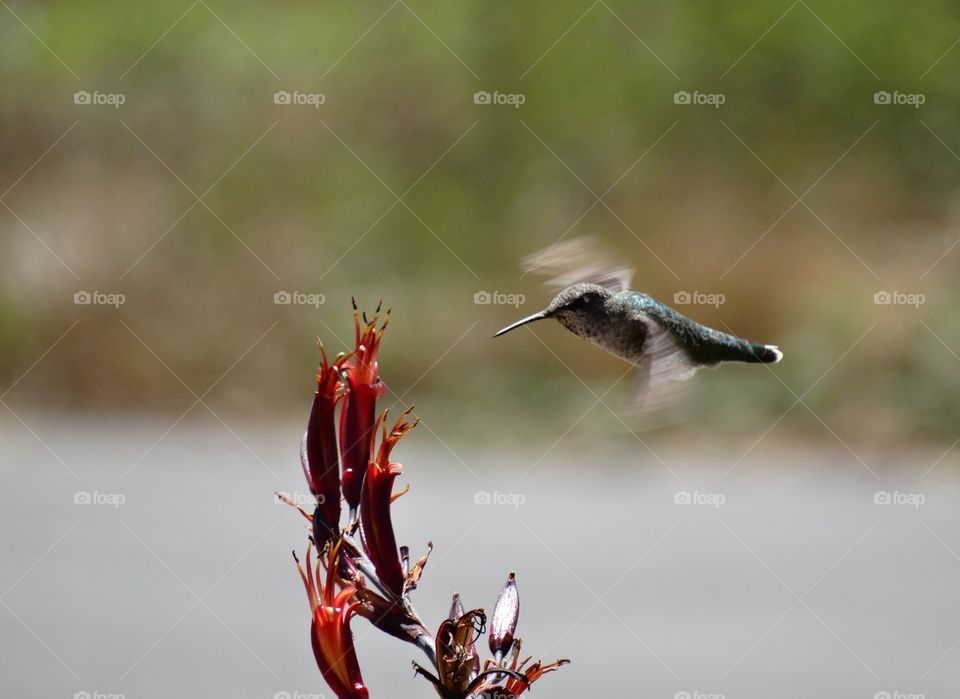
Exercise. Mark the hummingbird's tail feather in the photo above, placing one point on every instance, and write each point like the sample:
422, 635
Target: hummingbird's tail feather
763, 354
772, 355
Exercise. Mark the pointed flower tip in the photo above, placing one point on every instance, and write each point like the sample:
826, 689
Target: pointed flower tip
503, 622
456, 607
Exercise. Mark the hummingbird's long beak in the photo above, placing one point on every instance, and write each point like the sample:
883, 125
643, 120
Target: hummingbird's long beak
529, 319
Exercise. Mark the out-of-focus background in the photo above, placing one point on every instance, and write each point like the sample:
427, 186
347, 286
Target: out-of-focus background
191, 193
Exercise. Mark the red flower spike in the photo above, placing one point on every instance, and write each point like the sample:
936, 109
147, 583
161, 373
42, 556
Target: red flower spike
364, 387
330, 632
376, 527
319, 453
503, 622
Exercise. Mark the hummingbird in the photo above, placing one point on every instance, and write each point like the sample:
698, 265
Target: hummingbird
597, 304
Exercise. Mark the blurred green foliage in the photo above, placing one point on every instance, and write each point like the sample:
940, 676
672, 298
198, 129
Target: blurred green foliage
302, 198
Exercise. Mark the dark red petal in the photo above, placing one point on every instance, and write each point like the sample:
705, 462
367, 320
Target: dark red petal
319, 454
356, 427
376, 527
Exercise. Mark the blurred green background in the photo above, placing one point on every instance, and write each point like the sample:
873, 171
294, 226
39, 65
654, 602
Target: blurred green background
297, 197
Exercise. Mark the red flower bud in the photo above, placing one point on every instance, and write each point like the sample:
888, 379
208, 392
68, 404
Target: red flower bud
319, 454
376, 527
364, 387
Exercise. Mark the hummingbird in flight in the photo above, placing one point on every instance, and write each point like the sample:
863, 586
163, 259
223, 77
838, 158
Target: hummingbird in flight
597, 304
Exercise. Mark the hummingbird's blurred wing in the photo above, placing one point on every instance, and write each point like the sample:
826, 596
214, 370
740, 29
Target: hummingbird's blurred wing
662, 369
578, 260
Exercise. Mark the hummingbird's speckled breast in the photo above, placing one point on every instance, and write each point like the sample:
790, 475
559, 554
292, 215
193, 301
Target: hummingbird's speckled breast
613, 330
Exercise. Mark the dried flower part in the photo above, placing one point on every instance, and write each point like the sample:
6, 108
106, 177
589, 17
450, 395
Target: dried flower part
513, 679
376, 526
394, 618
503, 622
516, 686
456, 651
330, 633
456, 611
319, 454
357, 418
414, 574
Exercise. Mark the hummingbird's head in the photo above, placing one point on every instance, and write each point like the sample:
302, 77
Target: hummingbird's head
574, 307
